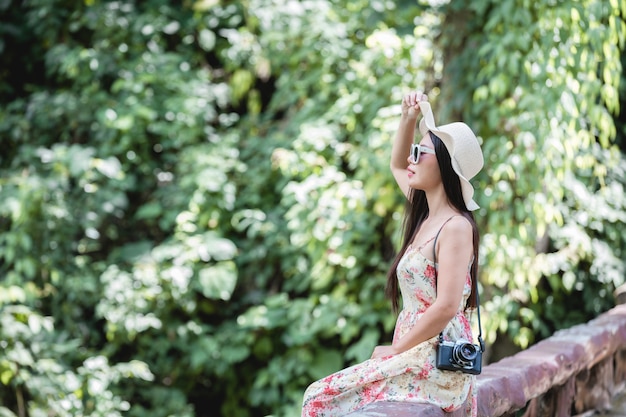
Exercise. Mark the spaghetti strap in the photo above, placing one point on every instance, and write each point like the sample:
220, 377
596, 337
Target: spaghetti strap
449, 218
437, 235
423, 245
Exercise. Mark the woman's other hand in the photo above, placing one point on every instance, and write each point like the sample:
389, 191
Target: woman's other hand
382, 351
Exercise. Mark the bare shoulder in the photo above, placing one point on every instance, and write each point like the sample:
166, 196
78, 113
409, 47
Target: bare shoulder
460, 228
459, 224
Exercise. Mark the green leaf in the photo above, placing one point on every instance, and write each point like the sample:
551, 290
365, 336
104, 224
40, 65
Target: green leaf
325, 363
363, 349
218, 281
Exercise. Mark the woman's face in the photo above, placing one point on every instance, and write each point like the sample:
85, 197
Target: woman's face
424, 173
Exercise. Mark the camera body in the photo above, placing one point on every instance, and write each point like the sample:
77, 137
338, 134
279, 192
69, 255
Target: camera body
461, 355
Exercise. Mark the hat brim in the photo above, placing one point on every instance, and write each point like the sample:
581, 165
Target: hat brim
445, 133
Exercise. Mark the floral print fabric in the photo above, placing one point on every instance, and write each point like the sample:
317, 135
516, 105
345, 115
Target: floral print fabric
411, 375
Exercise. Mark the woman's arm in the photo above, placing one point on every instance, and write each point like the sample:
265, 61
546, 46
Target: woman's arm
454, 255
404, 138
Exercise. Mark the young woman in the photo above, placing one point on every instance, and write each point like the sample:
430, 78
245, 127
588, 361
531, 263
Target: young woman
435, 272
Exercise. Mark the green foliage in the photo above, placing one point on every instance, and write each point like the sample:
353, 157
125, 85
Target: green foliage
542, 88
196, 207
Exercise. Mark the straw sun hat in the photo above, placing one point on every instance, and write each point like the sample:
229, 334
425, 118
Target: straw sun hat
463, 146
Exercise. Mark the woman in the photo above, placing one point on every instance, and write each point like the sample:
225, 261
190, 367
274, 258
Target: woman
436, 296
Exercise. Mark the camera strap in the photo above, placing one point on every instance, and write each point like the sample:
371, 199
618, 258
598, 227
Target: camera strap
480, 329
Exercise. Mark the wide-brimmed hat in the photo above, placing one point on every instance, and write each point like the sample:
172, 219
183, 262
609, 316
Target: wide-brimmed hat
463, 147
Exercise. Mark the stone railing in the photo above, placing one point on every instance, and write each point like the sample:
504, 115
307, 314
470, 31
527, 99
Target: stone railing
572, 372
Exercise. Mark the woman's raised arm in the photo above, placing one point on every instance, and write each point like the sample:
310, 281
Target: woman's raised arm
404, 138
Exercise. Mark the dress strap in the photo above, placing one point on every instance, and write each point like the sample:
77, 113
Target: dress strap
426, 243
437, 235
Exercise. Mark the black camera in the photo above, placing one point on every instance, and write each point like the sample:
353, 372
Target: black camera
459, 356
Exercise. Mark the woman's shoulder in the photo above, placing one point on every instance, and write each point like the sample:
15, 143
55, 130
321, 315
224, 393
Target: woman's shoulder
457, 228
457, 224
456, 235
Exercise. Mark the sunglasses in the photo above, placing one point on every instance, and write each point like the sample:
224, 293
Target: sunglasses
417, 150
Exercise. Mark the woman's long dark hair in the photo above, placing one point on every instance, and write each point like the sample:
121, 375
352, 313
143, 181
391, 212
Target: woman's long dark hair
417, 211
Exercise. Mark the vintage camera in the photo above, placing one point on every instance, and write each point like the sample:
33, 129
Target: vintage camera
459, 356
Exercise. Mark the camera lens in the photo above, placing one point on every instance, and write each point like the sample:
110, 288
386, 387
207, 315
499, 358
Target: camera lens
468, 352
464, 353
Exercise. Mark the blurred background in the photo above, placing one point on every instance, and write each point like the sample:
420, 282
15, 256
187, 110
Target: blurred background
196, 210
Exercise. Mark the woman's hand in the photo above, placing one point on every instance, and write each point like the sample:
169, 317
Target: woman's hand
382, 351
410, 106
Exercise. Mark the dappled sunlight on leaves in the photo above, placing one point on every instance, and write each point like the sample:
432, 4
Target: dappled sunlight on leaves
196, 203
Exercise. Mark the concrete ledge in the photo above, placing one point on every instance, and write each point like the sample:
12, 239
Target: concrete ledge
509, 384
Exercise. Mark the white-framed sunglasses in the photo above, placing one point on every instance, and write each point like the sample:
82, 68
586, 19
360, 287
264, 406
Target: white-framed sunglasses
416, 152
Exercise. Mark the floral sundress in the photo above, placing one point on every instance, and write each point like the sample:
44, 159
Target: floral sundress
411, 375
